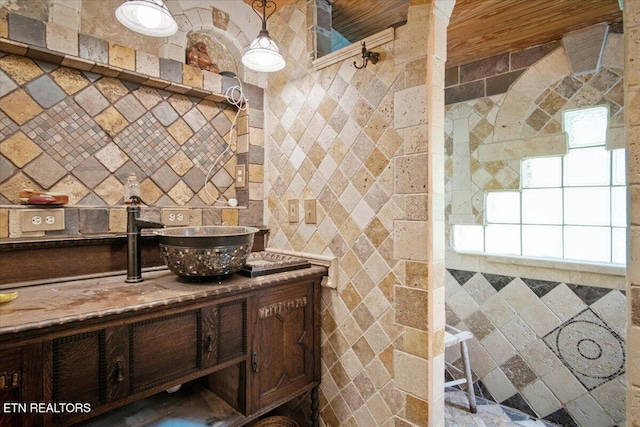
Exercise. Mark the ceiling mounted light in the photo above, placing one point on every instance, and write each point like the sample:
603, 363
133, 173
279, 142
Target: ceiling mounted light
263, 54
148, 17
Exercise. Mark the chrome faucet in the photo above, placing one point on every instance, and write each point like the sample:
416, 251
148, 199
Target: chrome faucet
134, 228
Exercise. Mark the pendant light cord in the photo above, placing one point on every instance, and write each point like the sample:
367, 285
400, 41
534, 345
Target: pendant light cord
236, 97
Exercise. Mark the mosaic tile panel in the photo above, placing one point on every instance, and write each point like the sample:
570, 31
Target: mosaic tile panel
592, 351
543, 347
93, 136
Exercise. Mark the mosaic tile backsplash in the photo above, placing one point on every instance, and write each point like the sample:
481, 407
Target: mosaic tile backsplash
553, 350
82, 133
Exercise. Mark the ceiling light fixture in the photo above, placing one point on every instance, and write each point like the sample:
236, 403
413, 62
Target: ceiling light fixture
148, 17
263, 53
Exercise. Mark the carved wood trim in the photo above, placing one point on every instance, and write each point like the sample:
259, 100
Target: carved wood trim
279, 307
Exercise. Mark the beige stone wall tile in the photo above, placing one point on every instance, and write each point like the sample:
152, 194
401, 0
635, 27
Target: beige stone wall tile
554, 66
71, 81
147, 64
192, 76
411, 374
21, 69
4, 24
411, 174
122, 56
117, 220
111, 121
417, 411
410, 107
149, 191
230, 216
416, 342
19, 106
19, 149
62, 39
110, 190
181, 193
410, 240
180, 131
70, 186
4, 223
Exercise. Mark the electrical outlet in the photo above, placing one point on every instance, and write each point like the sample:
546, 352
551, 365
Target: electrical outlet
42, 219
241, 176
310, 211
173, 217
293, 210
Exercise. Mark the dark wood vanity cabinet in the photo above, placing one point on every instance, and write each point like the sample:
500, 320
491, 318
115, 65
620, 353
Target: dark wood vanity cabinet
255, 348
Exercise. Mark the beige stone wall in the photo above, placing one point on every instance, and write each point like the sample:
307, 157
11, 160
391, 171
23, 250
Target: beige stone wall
632, 122
359, 142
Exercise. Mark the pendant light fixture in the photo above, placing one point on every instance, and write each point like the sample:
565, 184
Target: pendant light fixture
148, 17
263, 54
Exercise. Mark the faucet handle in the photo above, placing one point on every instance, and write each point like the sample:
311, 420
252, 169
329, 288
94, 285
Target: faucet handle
136, 200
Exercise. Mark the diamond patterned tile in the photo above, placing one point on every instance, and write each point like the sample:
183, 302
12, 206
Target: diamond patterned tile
540, 287
45, 170
90, 172
589, 294
147, 143
45, 92
67, 133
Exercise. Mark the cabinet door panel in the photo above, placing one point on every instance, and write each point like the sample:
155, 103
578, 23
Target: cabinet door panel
282, 353
78, 368
163, 349
232, 330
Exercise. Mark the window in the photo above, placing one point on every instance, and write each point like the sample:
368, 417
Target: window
570, 207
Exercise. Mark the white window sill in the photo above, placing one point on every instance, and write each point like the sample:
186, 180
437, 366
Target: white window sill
579, 273
558, 264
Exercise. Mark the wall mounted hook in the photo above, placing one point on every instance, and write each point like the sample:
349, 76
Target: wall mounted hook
367, 56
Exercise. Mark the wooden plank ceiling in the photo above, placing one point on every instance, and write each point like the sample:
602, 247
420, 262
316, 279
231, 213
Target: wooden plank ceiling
478, 29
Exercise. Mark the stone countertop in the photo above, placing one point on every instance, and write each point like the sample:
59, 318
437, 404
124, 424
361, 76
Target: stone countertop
64, 302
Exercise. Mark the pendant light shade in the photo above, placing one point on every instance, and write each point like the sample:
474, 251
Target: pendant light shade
263, 53
148, 17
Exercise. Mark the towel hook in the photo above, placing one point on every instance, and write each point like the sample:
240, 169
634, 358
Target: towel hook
367, 56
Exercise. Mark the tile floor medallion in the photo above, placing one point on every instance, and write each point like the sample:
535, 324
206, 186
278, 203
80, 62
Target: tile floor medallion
589, 348
552, 350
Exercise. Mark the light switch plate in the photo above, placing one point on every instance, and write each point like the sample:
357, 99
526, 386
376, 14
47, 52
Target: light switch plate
310, 211
292, 209
42, 219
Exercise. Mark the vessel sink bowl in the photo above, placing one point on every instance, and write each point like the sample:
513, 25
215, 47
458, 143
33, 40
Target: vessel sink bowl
205, 253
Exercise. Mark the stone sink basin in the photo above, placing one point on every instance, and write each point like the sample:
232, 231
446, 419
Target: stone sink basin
205, 253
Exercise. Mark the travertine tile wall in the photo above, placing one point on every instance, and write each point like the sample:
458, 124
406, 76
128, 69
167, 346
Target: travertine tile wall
359, 141
529, 323
632, 122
